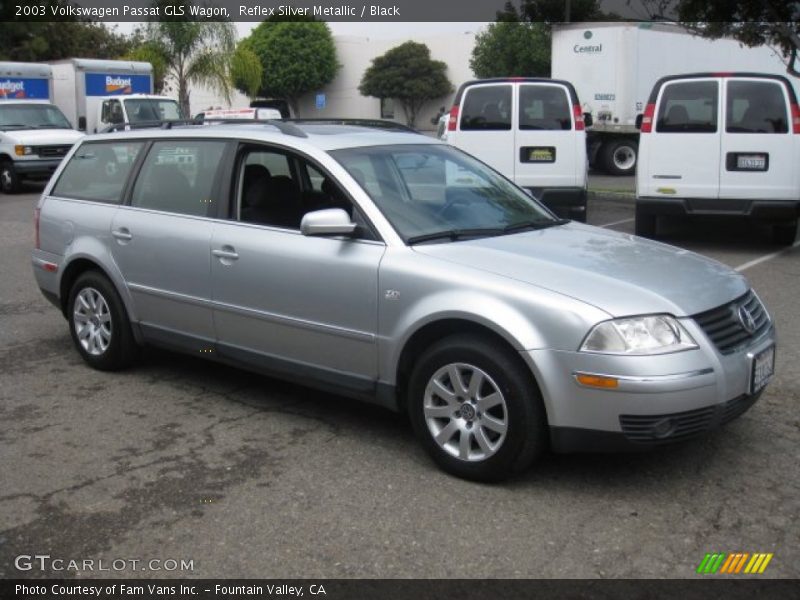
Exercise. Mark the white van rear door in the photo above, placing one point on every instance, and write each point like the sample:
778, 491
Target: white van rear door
757, 147
684, 146
484, 126
547, 148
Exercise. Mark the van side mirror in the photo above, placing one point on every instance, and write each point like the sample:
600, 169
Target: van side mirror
329, 221
81, 123
638, 122
587, 119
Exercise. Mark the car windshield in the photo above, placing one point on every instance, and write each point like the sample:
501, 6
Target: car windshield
140, 111
31, 116
434, 193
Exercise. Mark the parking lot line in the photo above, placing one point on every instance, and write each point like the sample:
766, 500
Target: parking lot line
617, 223
765, 258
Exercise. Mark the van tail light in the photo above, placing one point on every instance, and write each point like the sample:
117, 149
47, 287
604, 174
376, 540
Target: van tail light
578, 113
795, 118
36, 212
453, 120
647, 118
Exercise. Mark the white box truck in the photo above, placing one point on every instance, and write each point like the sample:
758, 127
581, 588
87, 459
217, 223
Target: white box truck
100, 93
34, 134
614, 66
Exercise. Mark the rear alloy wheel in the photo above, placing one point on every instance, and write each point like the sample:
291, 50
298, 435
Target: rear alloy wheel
99, 323
9, 180
785, 233
475, 409
619, 157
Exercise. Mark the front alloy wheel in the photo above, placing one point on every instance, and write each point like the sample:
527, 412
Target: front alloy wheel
465, 412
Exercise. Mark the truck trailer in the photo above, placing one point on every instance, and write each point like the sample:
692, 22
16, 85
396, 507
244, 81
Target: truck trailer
98, 93
614, 66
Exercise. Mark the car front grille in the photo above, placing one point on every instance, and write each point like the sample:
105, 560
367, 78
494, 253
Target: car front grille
675, 427
53, 151
726, 329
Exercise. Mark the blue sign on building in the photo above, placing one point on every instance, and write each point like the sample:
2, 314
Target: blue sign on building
109, 84
320, 101
24, 89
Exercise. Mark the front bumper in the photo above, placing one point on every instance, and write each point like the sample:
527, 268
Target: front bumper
36, 169
659, 399
766, 210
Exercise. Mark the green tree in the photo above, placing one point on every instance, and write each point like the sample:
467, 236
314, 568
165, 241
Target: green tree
297, 56
407, 74
192, 52
246, 71
512, 48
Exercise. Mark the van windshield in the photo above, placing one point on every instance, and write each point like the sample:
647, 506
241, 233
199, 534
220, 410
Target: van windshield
438, 193
31, 116
143, 110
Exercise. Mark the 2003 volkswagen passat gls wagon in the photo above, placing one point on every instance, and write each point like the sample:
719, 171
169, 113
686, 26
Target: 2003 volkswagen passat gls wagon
390, 267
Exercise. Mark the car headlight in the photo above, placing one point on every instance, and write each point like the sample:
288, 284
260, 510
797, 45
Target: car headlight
23, 150
652, 334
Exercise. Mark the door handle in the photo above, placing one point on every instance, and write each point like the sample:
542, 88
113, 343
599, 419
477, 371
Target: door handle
122, 234
226, 252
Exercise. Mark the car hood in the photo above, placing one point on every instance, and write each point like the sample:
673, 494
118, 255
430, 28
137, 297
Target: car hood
44, 137
615, 272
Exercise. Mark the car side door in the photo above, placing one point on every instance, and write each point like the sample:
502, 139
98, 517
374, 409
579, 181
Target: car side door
160, 240
301, 307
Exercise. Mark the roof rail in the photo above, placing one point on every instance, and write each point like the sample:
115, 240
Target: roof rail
282, 126
374, 123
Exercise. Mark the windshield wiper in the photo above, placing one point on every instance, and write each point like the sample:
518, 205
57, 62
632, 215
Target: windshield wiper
533, 225
455, 234
16, 126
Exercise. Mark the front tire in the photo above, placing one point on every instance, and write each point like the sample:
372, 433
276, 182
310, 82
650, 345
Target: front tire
475, 409
9, 180
785, 233
99, 323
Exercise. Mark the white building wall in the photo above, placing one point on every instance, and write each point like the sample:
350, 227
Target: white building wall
355, 54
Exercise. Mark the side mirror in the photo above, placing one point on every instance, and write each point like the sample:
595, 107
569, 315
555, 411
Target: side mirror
329, 221
81, 123
638, 122
587, 119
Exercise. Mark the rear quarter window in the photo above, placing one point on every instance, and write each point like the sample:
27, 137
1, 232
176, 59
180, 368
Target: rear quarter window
487, 108
98, 171
756, 107
688, 107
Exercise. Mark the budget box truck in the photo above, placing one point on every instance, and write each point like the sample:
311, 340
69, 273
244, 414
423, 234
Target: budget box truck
34, 134
614, 66
100, 93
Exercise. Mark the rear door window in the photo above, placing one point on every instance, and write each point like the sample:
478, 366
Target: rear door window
179, 177
544, 107
487, 107
756, 107
98, 171
688, 107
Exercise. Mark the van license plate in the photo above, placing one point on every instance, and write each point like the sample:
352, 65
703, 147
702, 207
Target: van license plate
763, 369
751, 162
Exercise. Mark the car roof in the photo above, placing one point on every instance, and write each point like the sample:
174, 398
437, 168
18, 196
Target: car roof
723, 74
325, 137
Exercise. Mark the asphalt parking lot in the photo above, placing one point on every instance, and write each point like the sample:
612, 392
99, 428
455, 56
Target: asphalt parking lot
246, 476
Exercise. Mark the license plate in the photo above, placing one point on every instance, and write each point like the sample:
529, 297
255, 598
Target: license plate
763, 369
751, 162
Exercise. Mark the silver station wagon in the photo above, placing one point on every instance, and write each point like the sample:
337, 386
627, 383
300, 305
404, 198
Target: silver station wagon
390, 267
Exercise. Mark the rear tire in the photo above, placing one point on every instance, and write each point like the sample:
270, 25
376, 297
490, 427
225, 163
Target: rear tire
646, 224
98, 323
619, 157
475, 409
785, 233
9, 180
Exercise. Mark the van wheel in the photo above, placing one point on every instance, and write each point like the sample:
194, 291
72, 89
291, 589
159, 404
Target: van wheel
9, 180
99, 323
475, 409
645, 224
619, 157
785, 233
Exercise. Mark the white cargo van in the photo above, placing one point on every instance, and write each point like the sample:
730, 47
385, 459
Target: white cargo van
532, 131
720, 144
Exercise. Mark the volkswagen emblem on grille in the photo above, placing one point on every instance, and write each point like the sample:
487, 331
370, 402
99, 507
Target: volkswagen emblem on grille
746, 319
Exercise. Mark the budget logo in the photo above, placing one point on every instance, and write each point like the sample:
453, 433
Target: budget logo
118, 85
735, 563
12, 89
